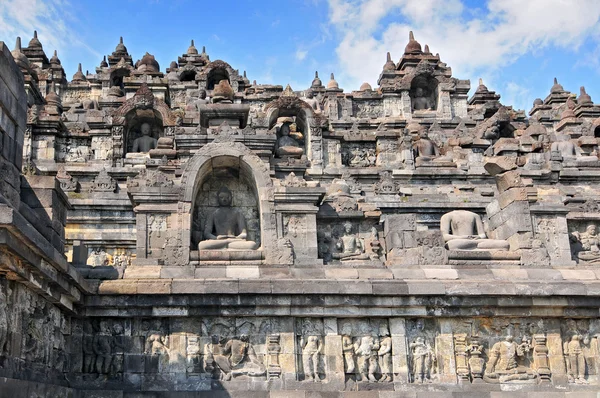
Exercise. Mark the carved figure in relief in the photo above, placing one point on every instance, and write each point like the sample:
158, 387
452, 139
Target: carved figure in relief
89, 356
3, 321
424, 148
235, 357
156, 344
312, 348
575, 360
367, 351
350, 246
146, 142
463, 230
503, 364
98, 258
287, 146
103, 351
225, 228
423, 359
348, 349
385, 355
590, 244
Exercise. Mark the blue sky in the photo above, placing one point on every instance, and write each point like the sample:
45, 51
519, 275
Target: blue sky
516, 46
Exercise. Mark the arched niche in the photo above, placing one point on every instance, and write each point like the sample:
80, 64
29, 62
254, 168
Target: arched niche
596, 128
234, 165
133, 122
424, 92
117, 76
215, 75
302, 113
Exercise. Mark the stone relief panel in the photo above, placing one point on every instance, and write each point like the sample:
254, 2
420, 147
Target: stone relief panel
359, 155
581, 350
310, 350
350, 241
366, 350
367, 109
585, 242
423, 357
102, 148
504, 351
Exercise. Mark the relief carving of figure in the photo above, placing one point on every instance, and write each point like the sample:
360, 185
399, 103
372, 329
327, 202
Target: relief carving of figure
225, 228
312, 349
463, 230
367, 351
385, 355
3, 321
575, 359
504, 361
590, 244
146, 142
423, 359
348, 350
235, 357
350, 246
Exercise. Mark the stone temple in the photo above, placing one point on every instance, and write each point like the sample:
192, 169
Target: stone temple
189, 233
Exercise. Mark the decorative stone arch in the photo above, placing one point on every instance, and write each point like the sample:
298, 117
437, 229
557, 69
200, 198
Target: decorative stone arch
143, 103
229, 154
217, 71
311, 124
595, 129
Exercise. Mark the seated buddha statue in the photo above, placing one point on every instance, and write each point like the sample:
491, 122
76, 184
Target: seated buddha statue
463, 230
286, 145
146, 142
225, 228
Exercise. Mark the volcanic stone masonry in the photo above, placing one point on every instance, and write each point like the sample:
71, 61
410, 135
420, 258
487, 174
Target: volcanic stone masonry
193, 234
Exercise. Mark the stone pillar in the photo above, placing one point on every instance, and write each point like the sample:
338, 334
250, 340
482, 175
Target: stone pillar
334, 361
399, 350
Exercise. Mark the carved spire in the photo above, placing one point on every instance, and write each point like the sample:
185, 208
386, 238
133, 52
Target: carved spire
192, 50
54, 60
584, 98
389, 65
413, 46
316, 81
35, 43
332, 83
103, 63
20, 59
556, 88
79, 76
426, 51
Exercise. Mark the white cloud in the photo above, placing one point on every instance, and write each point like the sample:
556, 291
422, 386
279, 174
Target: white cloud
50, 18
301, 54
472, 42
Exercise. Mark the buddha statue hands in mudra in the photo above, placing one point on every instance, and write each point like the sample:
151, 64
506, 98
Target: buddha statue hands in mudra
225, 228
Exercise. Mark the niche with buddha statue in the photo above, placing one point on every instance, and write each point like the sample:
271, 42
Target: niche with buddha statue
424, 93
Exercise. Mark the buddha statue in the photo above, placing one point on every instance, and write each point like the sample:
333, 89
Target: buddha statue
421, 101
590, 244
286, 145
201, 98
463, 230
424, 148
312, 101
505, 361
146, 142
225, 228
564, 147
350, 246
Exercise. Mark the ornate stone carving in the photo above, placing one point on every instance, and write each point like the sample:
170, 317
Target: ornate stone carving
98, 257
312, 349
507, 359
586, 245
349, 246
574, 358
423, 359
359, 156
232, 358
67, 182
151, 178
386, 184
103, 183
